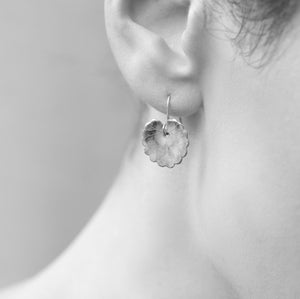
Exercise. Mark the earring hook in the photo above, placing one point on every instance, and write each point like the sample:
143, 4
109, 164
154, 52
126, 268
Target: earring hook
165, 127
168, 106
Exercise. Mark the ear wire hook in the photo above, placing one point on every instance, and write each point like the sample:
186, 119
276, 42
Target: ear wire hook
165, 128
168, 106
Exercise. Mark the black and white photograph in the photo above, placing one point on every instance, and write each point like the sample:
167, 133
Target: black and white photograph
149, 149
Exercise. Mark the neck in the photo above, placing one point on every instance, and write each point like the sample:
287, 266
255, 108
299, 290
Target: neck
142, 240
168, 232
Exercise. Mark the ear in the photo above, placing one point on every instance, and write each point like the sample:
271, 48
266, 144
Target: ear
157, 45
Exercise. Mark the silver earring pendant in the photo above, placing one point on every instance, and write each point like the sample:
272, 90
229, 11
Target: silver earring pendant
166, 144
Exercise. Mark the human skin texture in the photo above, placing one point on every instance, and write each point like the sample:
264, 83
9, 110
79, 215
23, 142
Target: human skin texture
243, 169
226, 222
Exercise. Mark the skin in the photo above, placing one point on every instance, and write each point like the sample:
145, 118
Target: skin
225, 223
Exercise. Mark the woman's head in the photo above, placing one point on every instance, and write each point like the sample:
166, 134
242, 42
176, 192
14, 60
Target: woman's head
243, 166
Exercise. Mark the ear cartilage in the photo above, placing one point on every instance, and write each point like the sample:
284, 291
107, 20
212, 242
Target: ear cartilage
166, 144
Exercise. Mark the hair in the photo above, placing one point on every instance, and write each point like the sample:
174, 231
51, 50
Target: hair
259, 23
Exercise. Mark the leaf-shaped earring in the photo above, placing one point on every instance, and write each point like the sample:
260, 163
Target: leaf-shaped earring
166, 143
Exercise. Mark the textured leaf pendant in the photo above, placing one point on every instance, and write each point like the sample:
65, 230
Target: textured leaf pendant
165, 144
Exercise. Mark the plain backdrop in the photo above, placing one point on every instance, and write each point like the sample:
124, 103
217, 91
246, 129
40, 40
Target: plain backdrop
65, 118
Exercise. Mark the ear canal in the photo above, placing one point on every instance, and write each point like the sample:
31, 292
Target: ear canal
149, 64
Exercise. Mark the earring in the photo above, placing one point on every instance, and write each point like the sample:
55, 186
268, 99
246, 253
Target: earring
166, 144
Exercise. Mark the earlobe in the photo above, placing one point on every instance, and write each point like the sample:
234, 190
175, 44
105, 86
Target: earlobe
154, 59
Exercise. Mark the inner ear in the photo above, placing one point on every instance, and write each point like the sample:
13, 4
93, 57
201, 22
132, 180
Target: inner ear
166, 18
